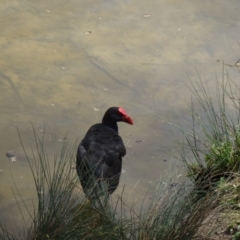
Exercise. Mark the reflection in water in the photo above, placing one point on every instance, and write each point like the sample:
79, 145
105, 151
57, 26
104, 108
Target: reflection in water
54, 74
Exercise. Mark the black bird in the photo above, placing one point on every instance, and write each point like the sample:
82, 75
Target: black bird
99, 154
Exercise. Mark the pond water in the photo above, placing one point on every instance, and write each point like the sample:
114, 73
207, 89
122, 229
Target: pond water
63, 60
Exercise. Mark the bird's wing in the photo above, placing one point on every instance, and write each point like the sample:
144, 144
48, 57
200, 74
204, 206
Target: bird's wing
103, 150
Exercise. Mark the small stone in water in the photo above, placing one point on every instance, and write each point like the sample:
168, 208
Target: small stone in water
88, 32
124, 171
146, 15
11, 156
96, 109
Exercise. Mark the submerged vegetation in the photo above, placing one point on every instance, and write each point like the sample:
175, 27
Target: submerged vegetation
211, 156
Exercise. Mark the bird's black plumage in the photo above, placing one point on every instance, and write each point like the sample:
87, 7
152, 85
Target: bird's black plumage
99, 155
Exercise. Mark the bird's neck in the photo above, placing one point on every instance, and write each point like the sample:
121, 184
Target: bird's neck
110, 123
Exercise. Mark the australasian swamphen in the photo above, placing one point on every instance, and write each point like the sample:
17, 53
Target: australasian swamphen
99, 154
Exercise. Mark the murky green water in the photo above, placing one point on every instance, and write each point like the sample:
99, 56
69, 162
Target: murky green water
61, 59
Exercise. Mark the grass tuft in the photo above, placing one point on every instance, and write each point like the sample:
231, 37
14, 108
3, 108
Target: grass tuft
211, 149
62, 212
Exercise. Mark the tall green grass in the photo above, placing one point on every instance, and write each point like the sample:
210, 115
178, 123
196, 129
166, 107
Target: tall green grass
62, 212
211, 146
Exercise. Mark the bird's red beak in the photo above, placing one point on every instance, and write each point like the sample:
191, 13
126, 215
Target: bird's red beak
126, 118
